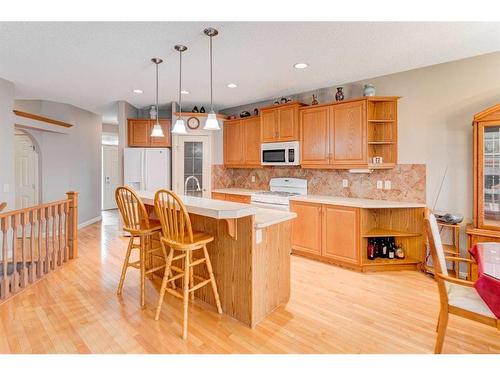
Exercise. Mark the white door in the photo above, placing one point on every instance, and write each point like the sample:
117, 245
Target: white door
110, 178
26, 164
193, 165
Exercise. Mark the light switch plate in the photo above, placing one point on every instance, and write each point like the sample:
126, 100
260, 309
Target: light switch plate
345, 183
380, 184
387, 185
258, 236
253, 178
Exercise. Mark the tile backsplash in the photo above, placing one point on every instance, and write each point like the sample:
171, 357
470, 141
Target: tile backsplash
407, 181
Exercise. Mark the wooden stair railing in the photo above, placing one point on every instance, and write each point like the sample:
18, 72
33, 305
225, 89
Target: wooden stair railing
36, 240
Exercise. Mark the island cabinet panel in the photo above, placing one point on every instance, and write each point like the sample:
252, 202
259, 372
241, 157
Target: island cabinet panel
341, 234
238, 198
348, 134
139, 133
280, 123
219, 196
306, 233
315, 136
242, 143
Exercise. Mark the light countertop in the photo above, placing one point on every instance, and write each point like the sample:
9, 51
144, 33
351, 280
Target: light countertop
356, 202
236, 191
213, 208
266, 217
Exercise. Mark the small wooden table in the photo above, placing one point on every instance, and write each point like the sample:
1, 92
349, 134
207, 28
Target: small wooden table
487, 284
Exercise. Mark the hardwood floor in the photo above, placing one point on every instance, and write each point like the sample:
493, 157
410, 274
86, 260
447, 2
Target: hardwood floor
332, 310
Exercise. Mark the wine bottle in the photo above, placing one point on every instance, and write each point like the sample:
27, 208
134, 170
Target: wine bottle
370, 251
385, 252
392, 251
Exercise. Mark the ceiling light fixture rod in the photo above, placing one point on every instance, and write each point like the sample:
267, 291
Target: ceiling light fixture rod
181, 49
211, 32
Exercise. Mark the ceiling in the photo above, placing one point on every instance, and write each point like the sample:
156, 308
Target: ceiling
91, 65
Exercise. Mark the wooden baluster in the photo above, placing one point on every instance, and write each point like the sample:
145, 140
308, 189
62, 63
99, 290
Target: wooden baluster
5, 289
39, 264
47, 236
53, 254
66, 231
14, 277
32, 268
59, 234
24, 223
73, 224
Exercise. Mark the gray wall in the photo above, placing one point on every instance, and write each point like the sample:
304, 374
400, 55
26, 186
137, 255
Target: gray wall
69, 161
7, 178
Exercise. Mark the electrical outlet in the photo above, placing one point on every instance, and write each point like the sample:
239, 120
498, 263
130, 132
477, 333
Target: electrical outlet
253, 178
387, 185
345, 183
379, 184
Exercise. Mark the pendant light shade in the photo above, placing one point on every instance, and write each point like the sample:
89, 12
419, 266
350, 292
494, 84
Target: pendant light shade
212, 123
157, 131
180, 126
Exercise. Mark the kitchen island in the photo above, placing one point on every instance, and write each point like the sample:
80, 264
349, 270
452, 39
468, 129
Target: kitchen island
250, 255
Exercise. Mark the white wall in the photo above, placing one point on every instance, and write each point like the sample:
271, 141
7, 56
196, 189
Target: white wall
69, 161
7, 176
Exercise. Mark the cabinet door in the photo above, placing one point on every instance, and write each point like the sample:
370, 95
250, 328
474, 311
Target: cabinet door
251, 141
233, 143
341, 233
306, 228
138, 133
348, 134
314, 132
238, 198
288, 127
219, 196
269, 121
161, 141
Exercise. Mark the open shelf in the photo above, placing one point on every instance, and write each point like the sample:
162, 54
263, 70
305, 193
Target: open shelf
387, 261
381, 165
380, 121
381, 143
380, 232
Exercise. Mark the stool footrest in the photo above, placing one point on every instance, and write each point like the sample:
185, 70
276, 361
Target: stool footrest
196, 262
199, 285
155, 269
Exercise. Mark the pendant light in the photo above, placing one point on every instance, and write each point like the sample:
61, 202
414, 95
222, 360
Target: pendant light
157, 130
212, 123
179, 126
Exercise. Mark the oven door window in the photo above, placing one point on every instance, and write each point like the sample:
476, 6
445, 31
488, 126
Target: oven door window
274, 156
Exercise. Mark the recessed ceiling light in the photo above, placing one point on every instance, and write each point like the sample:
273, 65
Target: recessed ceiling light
138, 91
185, 92
301, 66
232, 85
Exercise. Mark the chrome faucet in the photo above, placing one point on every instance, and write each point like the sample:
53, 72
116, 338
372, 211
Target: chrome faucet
198, 187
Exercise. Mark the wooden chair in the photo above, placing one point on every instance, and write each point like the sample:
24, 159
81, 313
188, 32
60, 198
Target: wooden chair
2, 205
178, 236
457, 296
137, 223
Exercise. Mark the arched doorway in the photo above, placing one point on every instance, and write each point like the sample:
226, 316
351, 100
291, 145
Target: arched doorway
27, 167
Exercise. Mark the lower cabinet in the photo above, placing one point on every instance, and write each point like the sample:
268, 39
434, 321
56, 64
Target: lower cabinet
326, 232
232, 197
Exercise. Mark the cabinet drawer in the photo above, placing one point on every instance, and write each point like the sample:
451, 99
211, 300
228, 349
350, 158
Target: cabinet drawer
238, 198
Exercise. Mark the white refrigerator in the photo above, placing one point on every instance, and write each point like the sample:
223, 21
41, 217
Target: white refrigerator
147, 168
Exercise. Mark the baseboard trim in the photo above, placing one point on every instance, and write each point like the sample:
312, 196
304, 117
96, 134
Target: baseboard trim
89, 222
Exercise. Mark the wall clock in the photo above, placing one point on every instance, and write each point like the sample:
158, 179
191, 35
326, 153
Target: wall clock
193, 123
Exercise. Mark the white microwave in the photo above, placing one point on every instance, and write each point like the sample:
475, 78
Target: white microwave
280, 153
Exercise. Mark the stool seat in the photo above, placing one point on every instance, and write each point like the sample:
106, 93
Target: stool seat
199, 239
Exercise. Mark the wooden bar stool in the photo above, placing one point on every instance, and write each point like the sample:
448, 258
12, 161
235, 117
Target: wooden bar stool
137, 223
178, 236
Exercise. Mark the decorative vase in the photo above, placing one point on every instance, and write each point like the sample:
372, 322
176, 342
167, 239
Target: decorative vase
339, 95
152, 112
202, 109
256, 111
195, 109
314, 100
368, 90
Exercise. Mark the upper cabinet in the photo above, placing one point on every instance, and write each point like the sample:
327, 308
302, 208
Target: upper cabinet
139, 133
357, 133
280, 123
242, 142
